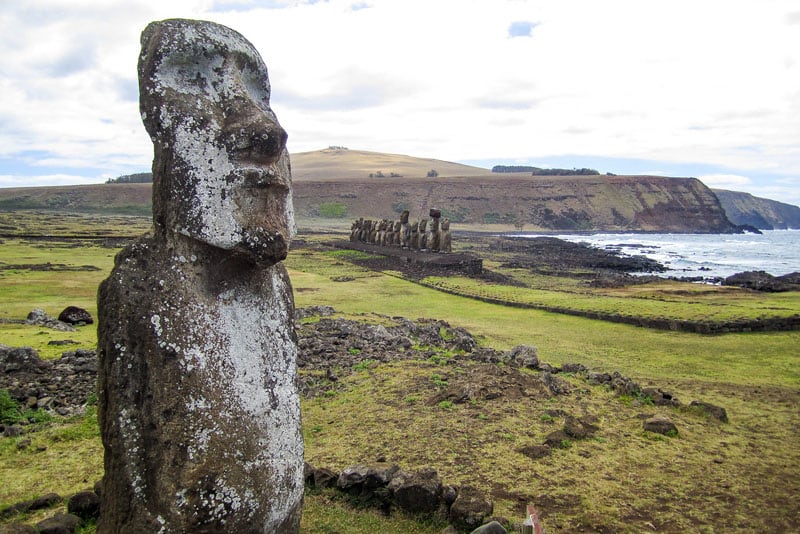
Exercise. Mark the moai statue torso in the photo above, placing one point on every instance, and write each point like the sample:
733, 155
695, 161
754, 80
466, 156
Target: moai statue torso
446, 244
423, 235
405, 230
414, 241
198, 408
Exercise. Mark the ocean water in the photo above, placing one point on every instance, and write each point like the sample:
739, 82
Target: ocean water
706, 255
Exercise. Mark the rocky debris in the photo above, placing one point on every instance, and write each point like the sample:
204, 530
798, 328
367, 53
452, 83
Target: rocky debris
580, 427
61, 386
386, 486
525, 356
85, 505
549, 253
313, 311
417, 491
711, 410
763, 281
59, 524
534, 452
40, 503
40, 318
75, 316
620, 384
660, 397
660, 424
492, 527
470, 508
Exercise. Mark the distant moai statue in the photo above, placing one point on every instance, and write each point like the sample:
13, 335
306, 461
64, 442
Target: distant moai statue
355, 229
396, 234
198, 407
423, 235
414, 240
405, 230
447, 237
434, 238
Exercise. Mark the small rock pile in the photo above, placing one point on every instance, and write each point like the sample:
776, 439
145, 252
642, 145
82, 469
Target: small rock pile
61, 386
82, 508
388, 487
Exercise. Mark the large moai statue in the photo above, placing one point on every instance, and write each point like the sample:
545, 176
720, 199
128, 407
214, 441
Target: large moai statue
199, 412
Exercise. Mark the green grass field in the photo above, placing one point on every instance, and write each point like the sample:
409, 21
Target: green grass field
713, 477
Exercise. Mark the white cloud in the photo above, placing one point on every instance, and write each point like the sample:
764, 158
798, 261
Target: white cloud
712, 82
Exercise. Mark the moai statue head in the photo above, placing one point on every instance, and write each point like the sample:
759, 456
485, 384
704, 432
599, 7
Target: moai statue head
445, 224
221, 171
404, 217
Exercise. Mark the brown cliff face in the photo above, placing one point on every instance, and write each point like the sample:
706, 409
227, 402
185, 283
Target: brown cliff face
568, 203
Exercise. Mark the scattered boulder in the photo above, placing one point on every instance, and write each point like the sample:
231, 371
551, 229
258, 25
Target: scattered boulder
711, 410
536, 451
580, 427
59, 524
85, 505
557, 439
39, 317
490, 528
470, 508
557, 386
75, 316
660, 397
660, 425
319, 477
416, 492
525, 356
368, 482
40, 503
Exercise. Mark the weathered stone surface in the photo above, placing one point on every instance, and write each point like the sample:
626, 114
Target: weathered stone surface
75, 316
198, 407
416, 492
660, 425
470, 508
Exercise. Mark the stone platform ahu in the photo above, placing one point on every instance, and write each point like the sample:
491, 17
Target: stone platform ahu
199, 411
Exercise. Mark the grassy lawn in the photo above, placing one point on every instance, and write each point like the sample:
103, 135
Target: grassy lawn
740, 477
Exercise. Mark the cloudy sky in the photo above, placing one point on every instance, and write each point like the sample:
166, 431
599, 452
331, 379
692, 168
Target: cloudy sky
705, 88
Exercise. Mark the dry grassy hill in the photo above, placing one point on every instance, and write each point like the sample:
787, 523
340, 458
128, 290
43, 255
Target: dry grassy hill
345, 164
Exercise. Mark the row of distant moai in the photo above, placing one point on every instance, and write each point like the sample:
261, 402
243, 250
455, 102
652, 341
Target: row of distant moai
414, 236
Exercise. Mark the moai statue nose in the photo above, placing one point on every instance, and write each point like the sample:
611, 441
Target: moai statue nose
248, 137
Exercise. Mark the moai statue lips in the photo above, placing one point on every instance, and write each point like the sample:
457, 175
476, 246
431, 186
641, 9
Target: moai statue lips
198, 406
204, 99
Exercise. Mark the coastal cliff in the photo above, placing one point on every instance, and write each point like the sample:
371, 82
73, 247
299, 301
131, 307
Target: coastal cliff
762, 213
558, 203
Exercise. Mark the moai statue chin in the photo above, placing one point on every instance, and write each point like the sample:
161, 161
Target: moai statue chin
199, 412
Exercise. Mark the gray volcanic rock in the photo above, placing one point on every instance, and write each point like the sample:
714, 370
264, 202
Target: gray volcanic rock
199, 412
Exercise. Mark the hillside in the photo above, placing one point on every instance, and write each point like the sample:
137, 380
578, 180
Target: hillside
765, 214
345, 164
335, 184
